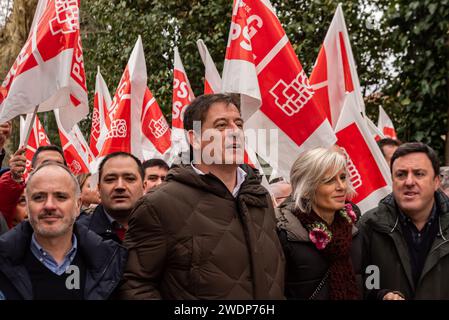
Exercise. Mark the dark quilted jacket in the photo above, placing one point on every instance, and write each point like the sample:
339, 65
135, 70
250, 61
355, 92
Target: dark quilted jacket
305, 265
191, 239
384, 246
105, 261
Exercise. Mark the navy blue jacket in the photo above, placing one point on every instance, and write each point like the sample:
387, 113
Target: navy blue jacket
105, 261
99, 223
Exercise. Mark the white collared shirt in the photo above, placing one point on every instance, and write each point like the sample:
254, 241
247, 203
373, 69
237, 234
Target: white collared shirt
241, 174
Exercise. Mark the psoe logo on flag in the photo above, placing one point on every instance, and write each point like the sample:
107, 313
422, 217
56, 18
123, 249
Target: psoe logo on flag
118, 129
354, 175
75, 167
66, 19
253, 24
182, 98
292, 97
43, 138
96, 121
23, 56
158, 127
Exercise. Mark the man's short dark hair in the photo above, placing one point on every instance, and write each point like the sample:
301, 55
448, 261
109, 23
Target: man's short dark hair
388, 142
47, 148
414, 147
197, 110
155, 163
123, 155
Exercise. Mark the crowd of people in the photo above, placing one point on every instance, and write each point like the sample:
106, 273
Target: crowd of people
212, 231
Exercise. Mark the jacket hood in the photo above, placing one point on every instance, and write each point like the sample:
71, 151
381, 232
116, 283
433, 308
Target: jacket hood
251, 190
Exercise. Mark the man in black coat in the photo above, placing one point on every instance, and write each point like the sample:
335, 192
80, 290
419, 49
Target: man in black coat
50, 257
120, 186
405, 239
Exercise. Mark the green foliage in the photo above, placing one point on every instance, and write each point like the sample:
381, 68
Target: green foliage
418, 38
111, 29
401, 49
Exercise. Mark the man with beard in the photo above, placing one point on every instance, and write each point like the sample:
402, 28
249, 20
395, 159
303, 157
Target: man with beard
12, 183
120, 186
50, 257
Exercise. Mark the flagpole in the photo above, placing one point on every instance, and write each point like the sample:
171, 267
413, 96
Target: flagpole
25, 142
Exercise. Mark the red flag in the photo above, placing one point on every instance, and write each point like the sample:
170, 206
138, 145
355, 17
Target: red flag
49, 70
212, 84
156, 138
375, 132
77, 153
124, 130
368, 170
335, 74
182, 96
102, 101
38, 138
261, 64
386, 125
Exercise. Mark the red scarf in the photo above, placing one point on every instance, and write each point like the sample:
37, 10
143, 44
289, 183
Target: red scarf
342, 283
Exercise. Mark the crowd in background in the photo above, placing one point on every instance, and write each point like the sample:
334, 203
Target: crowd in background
212, 231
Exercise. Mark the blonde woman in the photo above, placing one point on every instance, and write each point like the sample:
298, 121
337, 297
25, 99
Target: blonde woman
316, 226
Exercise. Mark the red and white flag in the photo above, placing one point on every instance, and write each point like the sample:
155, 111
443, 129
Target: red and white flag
261, 65
212, 79
368, 170
38, 138
102, 101
124, 114
375, 132
212, 84
49, 70
182, 96
77, 153
156, 134
334, 74
386, 125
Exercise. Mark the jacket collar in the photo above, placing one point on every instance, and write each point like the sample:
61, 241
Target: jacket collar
98, 255
290, 223
385, 219
95, 250
99, 222
251, 191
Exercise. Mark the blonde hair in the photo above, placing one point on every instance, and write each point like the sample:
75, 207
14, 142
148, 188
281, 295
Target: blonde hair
313, 168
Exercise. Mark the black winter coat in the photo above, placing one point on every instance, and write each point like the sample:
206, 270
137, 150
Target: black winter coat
305, 266
105, 261
384, 246
99, 223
